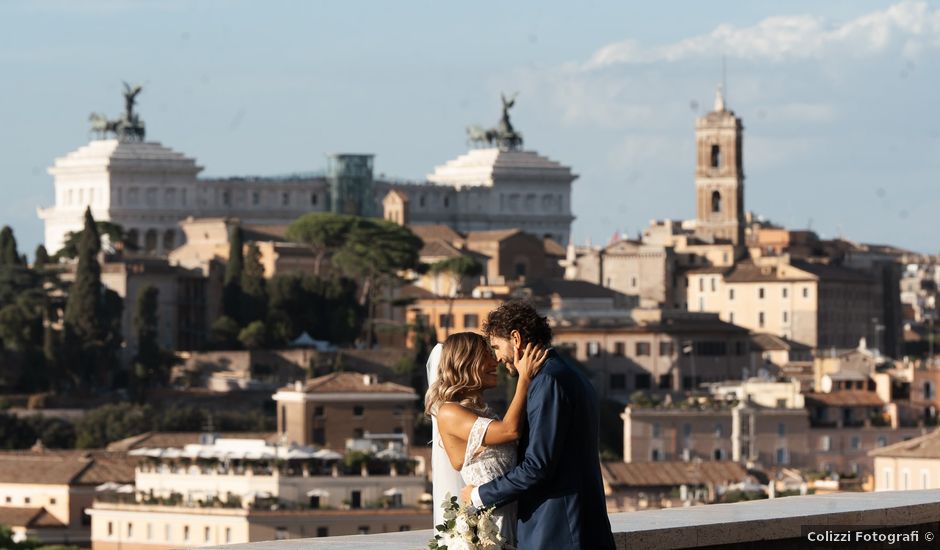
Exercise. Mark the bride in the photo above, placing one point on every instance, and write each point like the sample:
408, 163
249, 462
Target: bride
479, 445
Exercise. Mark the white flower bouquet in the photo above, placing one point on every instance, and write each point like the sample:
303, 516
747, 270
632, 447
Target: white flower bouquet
467, 528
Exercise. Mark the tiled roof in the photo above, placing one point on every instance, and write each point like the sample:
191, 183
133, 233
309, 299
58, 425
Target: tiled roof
177, 439
492, 234
832, 272
771, 342
108, 466
353, 382
438, 249
435, 232
553, 247
412, 291
847, 398
925, 446
672, 473
570, 289
42, 469
747, 272
75, 467
27, 517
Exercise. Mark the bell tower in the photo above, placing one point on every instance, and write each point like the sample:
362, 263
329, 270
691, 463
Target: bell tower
719, 176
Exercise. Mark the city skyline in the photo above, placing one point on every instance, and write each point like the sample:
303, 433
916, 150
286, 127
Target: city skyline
828, 100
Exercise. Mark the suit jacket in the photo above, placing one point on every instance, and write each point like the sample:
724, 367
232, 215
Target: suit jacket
557, 483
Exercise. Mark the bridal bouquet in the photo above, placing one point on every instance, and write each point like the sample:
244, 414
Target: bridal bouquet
466, 528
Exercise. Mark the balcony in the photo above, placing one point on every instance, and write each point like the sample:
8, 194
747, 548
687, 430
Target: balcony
780, 523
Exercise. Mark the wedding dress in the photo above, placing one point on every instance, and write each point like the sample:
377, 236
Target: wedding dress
482, 464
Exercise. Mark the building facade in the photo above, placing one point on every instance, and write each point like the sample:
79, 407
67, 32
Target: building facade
148, 189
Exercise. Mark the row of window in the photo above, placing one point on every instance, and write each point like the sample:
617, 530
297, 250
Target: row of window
187, 533
644, 381
761, 291
781, 456
280, 533
26, 500
285, 198
666, 348
904, 484
446, 320
719, 431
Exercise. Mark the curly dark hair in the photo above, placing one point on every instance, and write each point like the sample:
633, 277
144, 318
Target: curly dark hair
518, 315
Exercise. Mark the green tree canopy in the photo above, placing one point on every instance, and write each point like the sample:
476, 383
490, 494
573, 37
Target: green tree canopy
41, 257
73, 239
324, 232
92, 315
254, 336
254, 295
150, 362
9, 255
232, 292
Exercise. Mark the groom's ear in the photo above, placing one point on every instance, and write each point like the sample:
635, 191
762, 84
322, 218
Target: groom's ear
516, 338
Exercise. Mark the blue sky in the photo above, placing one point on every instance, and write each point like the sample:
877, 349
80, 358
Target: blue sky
838, 98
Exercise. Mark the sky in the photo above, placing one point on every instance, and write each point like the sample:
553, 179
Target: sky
838, 99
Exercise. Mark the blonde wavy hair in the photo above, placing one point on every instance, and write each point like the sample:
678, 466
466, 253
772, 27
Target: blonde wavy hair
460, 373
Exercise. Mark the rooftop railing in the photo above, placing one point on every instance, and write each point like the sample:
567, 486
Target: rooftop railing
781, 523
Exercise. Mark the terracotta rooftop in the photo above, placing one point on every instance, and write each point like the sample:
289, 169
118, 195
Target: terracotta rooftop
553, 247
27, 517
492, 234
66, 467
436, 232
671, 473
566, 288
771, 342
438, 249
353, 382
847, 398
925, 446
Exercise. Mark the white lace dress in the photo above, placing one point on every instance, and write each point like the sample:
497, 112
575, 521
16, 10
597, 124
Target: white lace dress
488, 464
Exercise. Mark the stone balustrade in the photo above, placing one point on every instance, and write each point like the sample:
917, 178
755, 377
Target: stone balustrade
781, 523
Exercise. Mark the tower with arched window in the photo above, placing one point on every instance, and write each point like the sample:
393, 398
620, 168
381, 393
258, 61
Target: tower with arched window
719, 175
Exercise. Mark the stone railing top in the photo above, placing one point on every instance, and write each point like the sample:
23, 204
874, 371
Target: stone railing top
775, 519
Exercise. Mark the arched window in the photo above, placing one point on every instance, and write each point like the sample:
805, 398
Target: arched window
716, 156
131, 238
716, 201
169, 240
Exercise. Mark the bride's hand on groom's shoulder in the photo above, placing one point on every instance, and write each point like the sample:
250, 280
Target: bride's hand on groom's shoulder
530, 360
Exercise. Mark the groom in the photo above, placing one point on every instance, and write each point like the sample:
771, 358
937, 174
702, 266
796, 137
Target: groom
557, 482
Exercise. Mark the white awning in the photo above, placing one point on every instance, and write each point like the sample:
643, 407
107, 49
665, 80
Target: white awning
326, 454
108, 486
318, 493
392, 492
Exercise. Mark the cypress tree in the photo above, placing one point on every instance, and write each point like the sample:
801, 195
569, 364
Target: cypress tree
84, 322
254, 293
8, 253
41, 257
50, 353
231, 297
148, 361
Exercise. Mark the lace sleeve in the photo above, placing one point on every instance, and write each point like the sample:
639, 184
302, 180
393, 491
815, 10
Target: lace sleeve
476, 437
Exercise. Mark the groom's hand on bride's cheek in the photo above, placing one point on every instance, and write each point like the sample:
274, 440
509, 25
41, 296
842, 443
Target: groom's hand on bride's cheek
466, 493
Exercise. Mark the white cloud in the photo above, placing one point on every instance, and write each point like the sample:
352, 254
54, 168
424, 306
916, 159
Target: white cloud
909, 26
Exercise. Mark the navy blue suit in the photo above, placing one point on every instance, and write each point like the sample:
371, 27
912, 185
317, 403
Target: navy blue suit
557, 483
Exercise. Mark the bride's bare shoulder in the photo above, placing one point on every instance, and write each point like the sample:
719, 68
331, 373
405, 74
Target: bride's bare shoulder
450, 410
